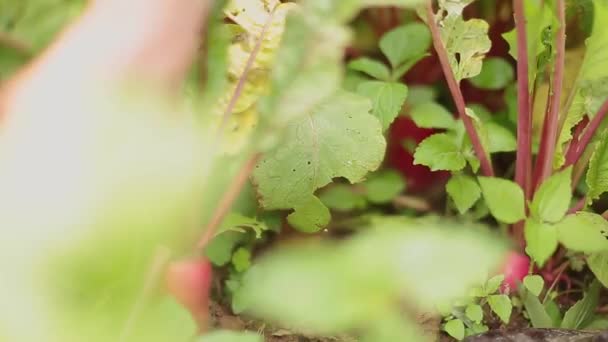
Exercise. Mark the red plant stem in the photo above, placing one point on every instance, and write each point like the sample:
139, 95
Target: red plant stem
580, 205
580, 145
486, 164
544, 166
227, 200
523, 163
576, 138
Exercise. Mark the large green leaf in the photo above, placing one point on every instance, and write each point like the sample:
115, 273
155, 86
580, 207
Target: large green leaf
504, 198
590, 89
597, 174
387, 99
536, 311
552, 199
335, 288
584, 232
501, 306
309, 159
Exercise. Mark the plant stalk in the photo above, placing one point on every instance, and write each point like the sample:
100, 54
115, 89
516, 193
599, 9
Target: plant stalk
227, 200
523, 163
580, 146
486, 164
544, 165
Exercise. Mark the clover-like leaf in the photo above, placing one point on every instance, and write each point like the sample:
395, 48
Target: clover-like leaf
371, 67
541, 240
432, 115
405, 43
553, 197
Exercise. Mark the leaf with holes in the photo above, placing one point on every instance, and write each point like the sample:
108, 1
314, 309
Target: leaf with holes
339, 139
309, 216
466, 42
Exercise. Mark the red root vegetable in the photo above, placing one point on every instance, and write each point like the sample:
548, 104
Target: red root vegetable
189, 281
515, 269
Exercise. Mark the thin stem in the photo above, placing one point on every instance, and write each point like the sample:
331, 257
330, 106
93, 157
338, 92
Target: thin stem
227, 200
579, 168
486, 164
580, 205
243, 78
576, 138
581, 145
524, 114
551, 123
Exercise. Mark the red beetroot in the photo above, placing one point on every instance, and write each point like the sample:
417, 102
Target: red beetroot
189, 281
515, 269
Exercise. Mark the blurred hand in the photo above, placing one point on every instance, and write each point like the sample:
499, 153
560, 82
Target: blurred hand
95, 158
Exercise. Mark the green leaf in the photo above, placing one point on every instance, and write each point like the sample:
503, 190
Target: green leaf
466, 42
598, 263
534, 283
405, 43
241, 259
310, 216
382, 187
371, 67
581, 313
541, 240
554, 312
501, 305
432, 115
538, 17
419, 94
475, 329
584, 232
440, 152
500, 139
536, 311
342, 197
307, 160
597, 174
504, 198
239, 223
230, 336
309, 72
455, 328
553, 198
591, 82
474, 313
336, 287
496, 73
493, 284
387, 99
464, 191
219, 250
598, 323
